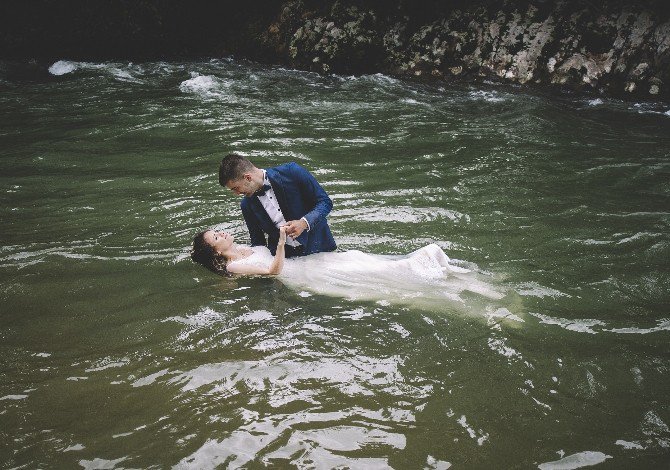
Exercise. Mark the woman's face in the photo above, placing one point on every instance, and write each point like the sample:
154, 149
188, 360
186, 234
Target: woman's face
219, 240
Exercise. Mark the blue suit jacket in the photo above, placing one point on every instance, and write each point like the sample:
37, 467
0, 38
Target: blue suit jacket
299, 195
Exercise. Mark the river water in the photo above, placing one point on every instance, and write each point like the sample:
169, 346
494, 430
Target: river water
118, 352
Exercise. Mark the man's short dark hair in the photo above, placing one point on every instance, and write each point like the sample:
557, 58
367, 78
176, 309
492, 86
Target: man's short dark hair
233, 167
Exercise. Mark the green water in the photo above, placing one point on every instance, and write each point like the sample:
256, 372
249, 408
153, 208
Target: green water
118, 352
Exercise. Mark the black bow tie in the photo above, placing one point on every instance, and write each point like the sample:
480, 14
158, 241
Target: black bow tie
261, 192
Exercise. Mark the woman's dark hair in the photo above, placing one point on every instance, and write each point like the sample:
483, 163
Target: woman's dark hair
203, 253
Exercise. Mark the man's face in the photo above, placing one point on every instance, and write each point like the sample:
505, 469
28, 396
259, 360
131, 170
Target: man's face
244, 185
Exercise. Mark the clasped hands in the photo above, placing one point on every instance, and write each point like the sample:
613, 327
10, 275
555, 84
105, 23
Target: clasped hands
294, 228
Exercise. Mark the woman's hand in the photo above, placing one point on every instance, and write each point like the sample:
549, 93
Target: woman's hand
282, 236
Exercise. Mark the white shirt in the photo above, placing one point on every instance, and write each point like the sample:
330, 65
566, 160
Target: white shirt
271, 206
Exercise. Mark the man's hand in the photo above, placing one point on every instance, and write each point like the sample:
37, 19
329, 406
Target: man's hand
295, 227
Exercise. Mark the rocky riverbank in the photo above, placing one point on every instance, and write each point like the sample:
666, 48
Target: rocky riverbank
619, 50
616, 49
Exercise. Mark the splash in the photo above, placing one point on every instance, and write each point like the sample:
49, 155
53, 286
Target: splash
62, 67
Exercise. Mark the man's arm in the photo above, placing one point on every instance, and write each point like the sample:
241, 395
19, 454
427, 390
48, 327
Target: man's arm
255, 231
314, 196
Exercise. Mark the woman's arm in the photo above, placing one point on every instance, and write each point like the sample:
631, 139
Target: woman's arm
248, 270
278, 263
275, 267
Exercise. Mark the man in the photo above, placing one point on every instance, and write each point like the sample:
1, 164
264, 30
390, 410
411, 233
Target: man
286, 195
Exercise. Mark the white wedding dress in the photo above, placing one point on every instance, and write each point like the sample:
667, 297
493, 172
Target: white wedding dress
423, 274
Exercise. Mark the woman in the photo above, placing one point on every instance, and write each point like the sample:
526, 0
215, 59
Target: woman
216, 250
424, 273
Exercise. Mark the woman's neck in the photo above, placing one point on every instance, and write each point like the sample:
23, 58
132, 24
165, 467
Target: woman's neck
236, 252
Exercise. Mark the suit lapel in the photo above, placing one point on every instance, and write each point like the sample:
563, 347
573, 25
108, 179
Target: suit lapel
278, 188
258, 209
288, 211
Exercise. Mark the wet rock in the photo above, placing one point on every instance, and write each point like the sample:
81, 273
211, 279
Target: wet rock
279, 32
611, 48
344, 40
620, 48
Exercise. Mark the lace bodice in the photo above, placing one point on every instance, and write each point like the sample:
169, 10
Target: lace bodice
261, 257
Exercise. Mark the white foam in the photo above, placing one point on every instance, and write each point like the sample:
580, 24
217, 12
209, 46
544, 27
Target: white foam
400, 214
663, 325
199, 84
489, 96
74, 447
483, 437
380, 77
108, 365
400, 330
125, 73
341, 183
315, 327
629, 445
533, 289
14, 397
578, 460
204, 317
98, 463
635, 214
122, 75
614, 165
595, 102
376, 78
653, 425
357, 314
591, 241
149, 379
62, 67
649, 108
637, 236
577, 325
256, 316
498, 345
504, 313
434, 464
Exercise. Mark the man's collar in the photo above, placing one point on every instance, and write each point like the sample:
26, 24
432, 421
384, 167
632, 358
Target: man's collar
266, 185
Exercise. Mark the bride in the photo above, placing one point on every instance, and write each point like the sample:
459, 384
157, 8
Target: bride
426, 272
217, 251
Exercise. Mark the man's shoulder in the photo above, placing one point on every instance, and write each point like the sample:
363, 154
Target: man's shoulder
284, 167
286, 170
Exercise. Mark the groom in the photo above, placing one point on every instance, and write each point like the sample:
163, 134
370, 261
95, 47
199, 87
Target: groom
286, 195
